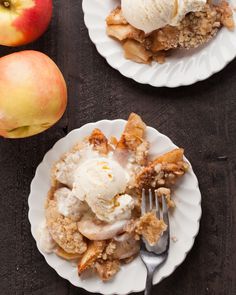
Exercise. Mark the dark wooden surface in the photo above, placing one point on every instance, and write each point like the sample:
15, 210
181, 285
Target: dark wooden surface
200, 118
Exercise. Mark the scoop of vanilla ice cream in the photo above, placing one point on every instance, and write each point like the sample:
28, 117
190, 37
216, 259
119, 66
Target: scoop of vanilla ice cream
44, 239
68, 205
150, 15
65, 168
100, 182
99, 177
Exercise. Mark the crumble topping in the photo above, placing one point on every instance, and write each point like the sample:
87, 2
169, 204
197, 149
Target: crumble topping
163, 171
109, 251
141, 153
64, 230
107, 269
199, 27
151, 228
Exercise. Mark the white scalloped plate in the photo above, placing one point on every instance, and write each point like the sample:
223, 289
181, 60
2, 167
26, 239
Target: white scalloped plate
184, 220
182, 68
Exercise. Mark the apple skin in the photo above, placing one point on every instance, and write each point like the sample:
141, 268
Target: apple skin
33, 94
23, 21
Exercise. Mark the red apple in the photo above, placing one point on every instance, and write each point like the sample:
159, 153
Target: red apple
23, 21
33, 94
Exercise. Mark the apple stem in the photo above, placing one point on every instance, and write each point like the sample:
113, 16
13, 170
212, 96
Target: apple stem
6, 4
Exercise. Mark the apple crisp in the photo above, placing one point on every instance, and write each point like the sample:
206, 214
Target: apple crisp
195, 29
93, 209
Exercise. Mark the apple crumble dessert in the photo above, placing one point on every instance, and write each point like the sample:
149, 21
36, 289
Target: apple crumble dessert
93, 208
148, 30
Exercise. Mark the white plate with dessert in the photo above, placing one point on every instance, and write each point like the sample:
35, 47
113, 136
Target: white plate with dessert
84, 204
163, 42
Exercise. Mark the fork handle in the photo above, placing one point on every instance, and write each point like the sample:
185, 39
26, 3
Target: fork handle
148, 288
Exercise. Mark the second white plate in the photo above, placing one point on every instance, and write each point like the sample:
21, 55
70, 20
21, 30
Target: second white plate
184, 222
182, 68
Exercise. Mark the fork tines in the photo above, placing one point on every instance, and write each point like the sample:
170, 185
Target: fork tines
149, 205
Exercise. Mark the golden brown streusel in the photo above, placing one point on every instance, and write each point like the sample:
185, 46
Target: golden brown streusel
64, 231
107, 269
150, 228
109, 251
198, 28
141, 153
163, 171
226, 14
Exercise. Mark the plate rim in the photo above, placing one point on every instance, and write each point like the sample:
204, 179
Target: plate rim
30, 198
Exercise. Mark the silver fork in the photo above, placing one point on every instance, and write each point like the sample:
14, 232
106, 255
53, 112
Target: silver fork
154, 256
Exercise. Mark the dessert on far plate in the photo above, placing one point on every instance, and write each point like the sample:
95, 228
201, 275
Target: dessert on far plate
149, 30
92, 212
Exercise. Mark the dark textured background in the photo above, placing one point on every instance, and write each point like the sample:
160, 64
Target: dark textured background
200, 118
